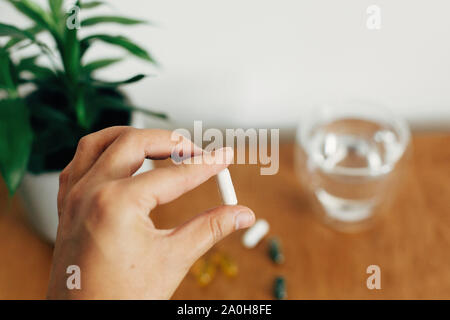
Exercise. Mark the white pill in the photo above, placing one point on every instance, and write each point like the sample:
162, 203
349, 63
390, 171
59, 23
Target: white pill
253, 235
226, 187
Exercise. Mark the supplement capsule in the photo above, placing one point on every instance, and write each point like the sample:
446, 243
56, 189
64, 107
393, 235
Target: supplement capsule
226, 264
279, 288
253, 235
229, 267
226, 187
204, 271
275, 252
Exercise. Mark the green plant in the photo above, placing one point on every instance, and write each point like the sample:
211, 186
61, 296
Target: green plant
39, 131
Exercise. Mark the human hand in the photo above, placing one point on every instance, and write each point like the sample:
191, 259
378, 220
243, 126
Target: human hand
104, 224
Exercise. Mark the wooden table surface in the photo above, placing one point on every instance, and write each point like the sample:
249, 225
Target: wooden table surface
411, 244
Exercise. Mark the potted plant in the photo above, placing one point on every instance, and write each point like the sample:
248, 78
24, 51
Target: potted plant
39, 131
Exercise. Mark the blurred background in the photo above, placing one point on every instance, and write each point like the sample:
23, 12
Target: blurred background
257, 63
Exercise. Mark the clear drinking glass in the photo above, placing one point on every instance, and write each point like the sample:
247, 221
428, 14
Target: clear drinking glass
347, 156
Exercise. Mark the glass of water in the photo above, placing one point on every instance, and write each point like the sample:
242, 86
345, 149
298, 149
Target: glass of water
348, 157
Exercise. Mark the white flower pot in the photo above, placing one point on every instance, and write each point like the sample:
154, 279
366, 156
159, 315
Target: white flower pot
39, 193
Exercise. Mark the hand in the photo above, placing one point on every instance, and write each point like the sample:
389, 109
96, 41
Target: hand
104, 224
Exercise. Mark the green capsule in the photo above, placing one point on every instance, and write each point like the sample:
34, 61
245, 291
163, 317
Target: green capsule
275, 251
279, 288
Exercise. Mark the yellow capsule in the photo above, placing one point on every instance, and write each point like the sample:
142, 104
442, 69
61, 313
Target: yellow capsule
204, 271
198, 266
207, 274
228, 266
216, 258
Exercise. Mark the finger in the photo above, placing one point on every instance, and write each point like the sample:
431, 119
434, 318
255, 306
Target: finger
166, 184
89, 149
127, 153
202, 232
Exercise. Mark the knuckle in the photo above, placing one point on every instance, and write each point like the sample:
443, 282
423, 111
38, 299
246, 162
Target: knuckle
215, 228
63, 177
84, 143
116, 128
75, 195
129, 133
98, 198
101, 198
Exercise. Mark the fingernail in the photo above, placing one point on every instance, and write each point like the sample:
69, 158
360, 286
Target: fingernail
244, 219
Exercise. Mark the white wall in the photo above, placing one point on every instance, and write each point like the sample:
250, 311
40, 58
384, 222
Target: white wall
258, 62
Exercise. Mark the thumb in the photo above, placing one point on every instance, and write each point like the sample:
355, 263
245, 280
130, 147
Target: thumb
198, 235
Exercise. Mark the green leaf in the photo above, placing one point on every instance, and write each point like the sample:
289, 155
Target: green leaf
57, 15
14, 32
56, 5
50, 114
7, 74
121, 42
41, 18
38, 72
30, 34
133, 79
101, 63
15, 141
29, 65
81, 114
19, 35
71, 54
34, 12
54, 87
56, 8
91, 4
26, 62
69, 46
110, 19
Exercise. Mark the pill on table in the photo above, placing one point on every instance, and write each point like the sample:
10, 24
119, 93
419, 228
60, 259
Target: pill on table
279, 288
204, 271
228, 266
226, 187
216, 258
207, 275
275, 252
198, 266
253, 235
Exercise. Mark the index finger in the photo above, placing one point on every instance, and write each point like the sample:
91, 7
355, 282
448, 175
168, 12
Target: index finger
163, 185
127, 153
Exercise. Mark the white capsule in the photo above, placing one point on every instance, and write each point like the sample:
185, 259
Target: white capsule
226, 187
253, 235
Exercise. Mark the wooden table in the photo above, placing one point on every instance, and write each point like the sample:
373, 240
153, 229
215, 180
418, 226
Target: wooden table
411, 244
